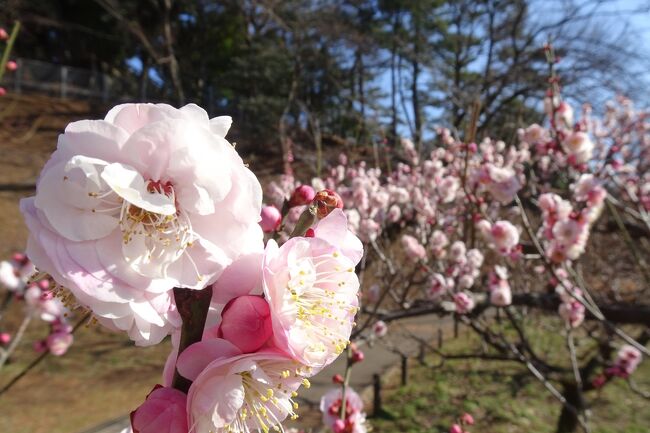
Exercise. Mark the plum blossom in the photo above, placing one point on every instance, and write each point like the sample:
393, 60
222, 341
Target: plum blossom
413, 249
502, 235
15, 273
380, 329
578, 147
627, 360
464, 302
312, 289
129, 207
355, 418
59, 342
239, 393
438, 286
500, 293
501, 182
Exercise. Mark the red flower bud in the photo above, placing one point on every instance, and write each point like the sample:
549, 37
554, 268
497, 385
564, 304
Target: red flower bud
337, 378
302, 195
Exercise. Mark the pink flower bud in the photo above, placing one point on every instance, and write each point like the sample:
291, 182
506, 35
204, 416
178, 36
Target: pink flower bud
5, 338
337, 378
455, 428
19, 258
3, 91
39, 346
310, 233
246, 323
164, 411
59, 342
326, 201
599, 381
467, 419
357, 356
3, 34
271, 219
11, 65
302, 195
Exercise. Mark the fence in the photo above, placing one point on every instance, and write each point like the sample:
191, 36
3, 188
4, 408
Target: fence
75, 83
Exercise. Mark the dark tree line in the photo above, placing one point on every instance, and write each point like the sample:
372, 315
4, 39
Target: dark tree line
351, 72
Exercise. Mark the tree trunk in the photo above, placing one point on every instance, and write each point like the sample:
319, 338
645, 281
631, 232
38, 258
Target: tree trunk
393, 84
417, 118
568, 421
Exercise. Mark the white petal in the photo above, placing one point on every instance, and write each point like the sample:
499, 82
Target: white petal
72, 222
221, 125
129, 184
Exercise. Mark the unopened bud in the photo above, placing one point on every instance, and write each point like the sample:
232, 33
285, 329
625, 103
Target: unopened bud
302, 195
337, 378
270, 219
357, 356
325, 202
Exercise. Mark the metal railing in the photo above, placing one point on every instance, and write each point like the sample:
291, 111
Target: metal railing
69, 82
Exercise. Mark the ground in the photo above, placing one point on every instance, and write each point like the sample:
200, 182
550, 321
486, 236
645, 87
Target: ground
502, 397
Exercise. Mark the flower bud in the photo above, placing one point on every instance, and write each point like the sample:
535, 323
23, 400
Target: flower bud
271, 219
39, 346
337, 378
3, 34
302, 195
3, 91
467, 419
357, 356
325, 202
246, 323
5, 338
164, 411
455, 428
11, 65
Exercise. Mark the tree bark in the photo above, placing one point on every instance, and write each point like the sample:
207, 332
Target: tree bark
568, 420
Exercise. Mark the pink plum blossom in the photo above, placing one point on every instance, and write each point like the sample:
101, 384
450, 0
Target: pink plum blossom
330, 407
380, 329
129, 207
500, 293
240, 393
164, 411
413, 249
59, 342
627, 360
312, 289
502, 183
464, 302
578, 146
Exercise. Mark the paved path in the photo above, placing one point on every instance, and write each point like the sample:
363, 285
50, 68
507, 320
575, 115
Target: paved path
379, 358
